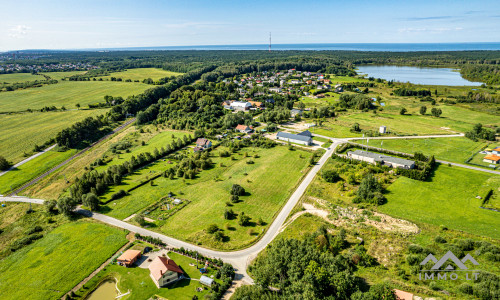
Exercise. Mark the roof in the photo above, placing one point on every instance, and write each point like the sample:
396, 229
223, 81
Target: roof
402, 295
129, 255
385, 158
161, 265
202, 141
305, 133
492, 157
206, 280
240, 104
292, 136
242, 127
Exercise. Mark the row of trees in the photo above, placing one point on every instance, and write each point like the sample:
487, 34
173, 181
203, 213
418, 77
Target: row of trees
480, 132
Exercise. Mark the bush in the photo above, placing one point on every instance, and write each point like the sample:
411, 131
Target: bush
434, 286
465, 288
439, 239
238, 190
330, 176
139, 219
212, 228
244, 219
4, 164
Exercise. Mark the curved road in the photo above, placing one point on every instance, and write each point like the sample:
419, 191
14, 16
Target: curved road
239, 259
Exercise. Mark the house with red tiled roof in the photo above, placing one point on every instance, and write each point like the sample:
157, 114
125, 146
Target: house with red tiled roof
244, 128
492, 159
128, 257
164, 271
203, 143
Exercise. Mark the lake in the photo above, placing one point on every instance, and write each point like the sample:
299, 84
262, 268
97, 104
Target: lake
416, 75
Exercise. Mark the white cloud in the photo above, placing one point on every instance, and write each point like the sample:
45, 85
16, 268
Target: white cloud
429, 30
18, 31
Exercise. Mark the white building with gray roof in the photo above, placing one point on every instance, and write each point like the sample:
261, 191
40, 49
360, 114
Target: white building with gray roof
303, 138
373, 158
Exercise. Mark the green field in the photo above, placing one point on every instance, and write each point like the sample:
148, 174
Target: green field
19, 133
67, 94
24, 173
142, 73
141, 286
449, 200
269, 187
19, 77
61, 75
53, 265
457, 149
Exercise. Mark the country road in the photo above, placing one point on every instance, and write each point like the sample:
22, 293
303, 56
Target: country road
40, 177
240, 258
27, 159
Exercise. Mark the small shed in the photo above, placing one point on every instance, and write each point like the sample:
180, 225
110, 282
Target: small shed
206, 280
382, 129
129, 257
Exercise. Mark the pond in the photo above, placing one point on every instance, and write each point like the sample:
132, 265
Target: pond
105, 291
416, 75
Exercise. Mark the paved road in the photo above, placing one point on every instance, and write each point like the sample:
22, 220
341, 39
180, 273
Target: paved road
27, 159
35, 180
239, 259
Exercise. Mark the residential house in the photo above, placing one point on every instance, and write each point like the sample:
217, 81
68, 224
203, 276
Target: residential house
203, 143
302, 138
129, 257
164, 271
496, 151
241, 105
373, 158
295, 112
492, 159
275, 90
244, 128
256, 104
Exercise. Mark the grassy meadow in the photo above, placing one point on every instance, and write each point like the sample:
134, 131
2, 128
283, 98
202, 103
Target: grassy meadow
19, 77
60, 260
141, 74
457, 149
67, 94
449, 199
24, 173
267, 185
19, 133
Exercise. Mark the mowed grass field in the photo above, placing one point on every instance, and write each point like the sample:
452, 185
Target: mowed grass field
269, 182
67, 94
19, 133
457, 149
449, 199
24, 173
56, 263
19, 77
142, 73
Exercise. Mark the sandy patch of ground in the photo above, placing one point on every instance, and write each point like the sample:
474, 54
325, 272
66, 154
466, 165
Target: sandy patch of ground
132, 216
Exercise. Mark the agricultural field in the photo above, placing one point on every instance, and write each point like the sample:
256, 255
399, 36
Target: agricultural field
141, 286
449, 199
60, 260
457, 149
267, 185
60, 75
141, 74
19, 77
19, 133
24, 173
67, 94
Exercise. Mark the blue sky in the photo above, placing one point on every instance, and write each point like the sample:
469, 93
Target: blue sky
142, 23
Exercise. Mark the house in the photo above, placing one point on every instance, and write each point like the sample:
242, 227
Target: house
203, 143
164, 271
241, 105
303, 138
206, 280
373, 158
129, 257
402, 295
496, 151
275, 90
256, 104
243, 128
492, 159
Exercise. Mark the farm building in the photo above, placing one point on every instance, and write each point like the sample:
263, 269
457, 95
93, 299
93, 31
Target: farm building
303, 138
492, 159
128, 258
373, 158
241, 105
164, 271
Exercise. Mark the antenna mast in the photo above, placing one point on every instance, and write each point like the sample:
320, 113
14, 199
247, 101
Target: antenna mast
269, 42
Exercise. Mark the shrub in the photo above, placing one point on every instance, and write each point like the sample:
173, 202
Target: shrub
439, 239
434, 286
212, 228
4, 164
244, 219
330, 176
238, 190
465, 288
